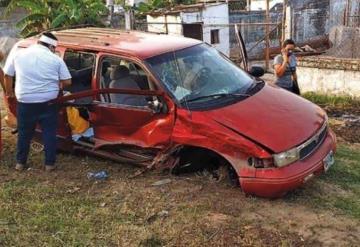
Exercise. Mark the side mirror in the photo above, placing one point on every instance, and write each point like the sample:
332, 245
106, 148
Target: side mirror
257, 71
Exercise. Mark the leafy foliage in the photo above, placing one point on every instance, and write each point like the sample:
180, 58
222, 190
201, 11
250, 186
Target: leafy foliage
4, 3
159, 4
46, 14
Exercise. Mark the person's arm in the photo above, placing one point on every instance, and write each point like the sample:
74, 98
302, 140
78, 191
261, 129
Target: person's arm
9, 86
2, 79
65, 83
280, 68
9, 71
64, 75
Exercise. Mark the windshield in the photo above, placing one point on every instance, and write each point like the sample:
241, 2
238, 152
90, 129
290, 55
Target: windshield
198, 72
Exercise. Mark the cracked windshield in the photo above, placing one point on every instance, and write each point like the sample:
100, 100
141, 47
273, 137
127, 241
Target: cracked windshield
200, 72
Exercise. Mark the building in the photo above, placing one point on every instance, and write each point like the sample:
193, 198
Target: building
254, 5
208, 22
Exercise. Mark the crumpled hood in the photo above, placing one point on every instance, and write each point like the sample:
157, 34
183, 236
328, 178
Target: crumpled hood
273, 117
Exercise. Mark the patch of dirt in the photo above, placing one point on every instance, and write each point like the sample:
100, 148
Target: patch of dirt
322, 227
204, 211
347, 126
216, 219
198, 211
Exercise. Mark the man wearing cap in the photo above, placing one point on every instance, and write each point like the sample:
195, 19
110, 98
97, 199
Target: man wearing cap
40, 74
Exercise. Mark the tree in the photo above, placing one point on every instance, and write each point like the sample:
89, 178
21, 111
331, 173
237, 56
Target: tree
4, 3
74, 12
158, 4
46, 14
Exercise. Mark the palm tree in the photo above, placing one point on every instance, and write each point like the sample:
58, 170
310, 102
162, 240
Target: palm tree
46, 14
75, 12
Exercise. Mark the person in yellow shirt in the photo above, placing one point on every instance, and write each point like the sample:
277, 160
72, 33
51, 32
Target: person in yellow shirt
79, 126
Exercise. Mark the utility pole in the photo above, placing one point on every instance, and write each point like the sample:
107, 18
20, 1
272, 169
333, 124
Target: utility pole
110, 5
267, 49
129, 20
248, 5
166, 25
283, 30
347, 13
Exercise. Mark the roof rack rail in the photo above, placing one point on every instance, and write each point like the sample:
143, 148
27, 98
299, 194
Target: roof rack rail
63, 28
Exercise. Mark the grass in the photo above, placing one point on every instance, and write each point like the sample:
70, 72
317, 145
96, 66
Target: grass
35, 213
66, 209
332, 101
339, 188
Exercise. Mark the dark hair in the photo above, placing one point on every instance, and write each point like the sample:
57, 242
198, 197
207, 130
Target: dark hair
49, 35
288, 42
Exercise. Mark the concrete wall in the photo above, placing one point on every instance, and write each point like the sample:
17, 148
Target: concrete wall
212, 17
261, 4
309, 19
330, 76
216, 17
192, 17
173, 29
337, 12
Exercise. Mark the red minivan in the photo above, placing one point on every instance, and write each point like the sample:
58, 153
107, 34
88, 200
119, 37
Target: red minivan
171, 102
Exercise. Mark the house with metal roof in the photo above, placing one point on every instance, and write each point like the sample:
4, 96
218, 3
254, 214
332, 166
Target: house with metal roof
208, 22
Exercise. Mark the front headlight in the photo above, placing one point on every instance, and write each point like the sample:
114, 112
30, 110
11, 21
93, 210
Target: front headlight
287, 157
292, 155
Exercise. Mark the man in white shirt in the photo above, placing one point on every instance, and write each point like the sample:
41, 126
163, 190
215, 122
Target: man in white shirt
40, 74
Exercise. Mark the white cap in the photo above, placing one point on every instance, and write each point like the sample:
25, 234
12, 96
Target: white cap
48, 40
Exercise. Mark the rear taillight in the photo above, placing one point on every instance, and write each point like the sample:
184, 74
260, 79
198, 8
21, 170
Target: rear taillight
261, 163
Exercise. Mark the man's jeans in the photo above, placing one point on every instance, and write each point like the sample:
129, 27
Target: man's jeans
30, 114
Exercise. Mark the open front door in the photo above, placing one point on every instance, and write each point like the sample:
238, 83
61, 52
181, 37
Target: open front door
138, 113
242, 49
139, 126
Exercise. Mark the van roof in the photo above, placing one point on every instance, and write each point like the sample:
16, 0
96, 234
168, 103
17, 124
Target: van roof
138, 44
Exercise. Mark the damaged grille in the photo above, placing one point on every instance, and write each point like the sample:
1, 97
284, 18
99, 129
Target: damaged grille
311, 145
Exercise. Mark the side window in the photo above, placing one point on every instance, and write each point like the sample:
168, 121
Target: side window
123, 74
81, 66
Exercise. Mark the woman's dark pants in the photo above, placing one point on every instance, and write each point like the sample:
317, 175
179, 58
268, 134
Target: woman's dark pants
28, 116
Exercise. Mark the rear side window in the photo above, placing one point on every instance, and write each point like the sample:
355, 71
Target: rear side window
82, 68
79, 60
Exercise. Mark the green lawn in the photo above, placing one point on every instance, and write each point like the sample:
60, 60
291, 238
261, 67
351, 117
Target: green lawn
66, 209
342, 183
330, 100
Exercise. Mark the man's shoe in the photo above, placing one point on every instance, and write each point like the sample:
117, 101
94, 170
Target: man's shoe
50, 168
20, 167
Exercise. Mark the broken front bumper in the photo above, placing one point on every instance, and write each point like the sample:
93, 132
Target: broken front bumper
275, 182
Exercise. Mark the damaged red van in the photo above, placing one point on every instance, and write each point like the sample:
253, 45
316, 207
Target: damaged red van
170, 102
